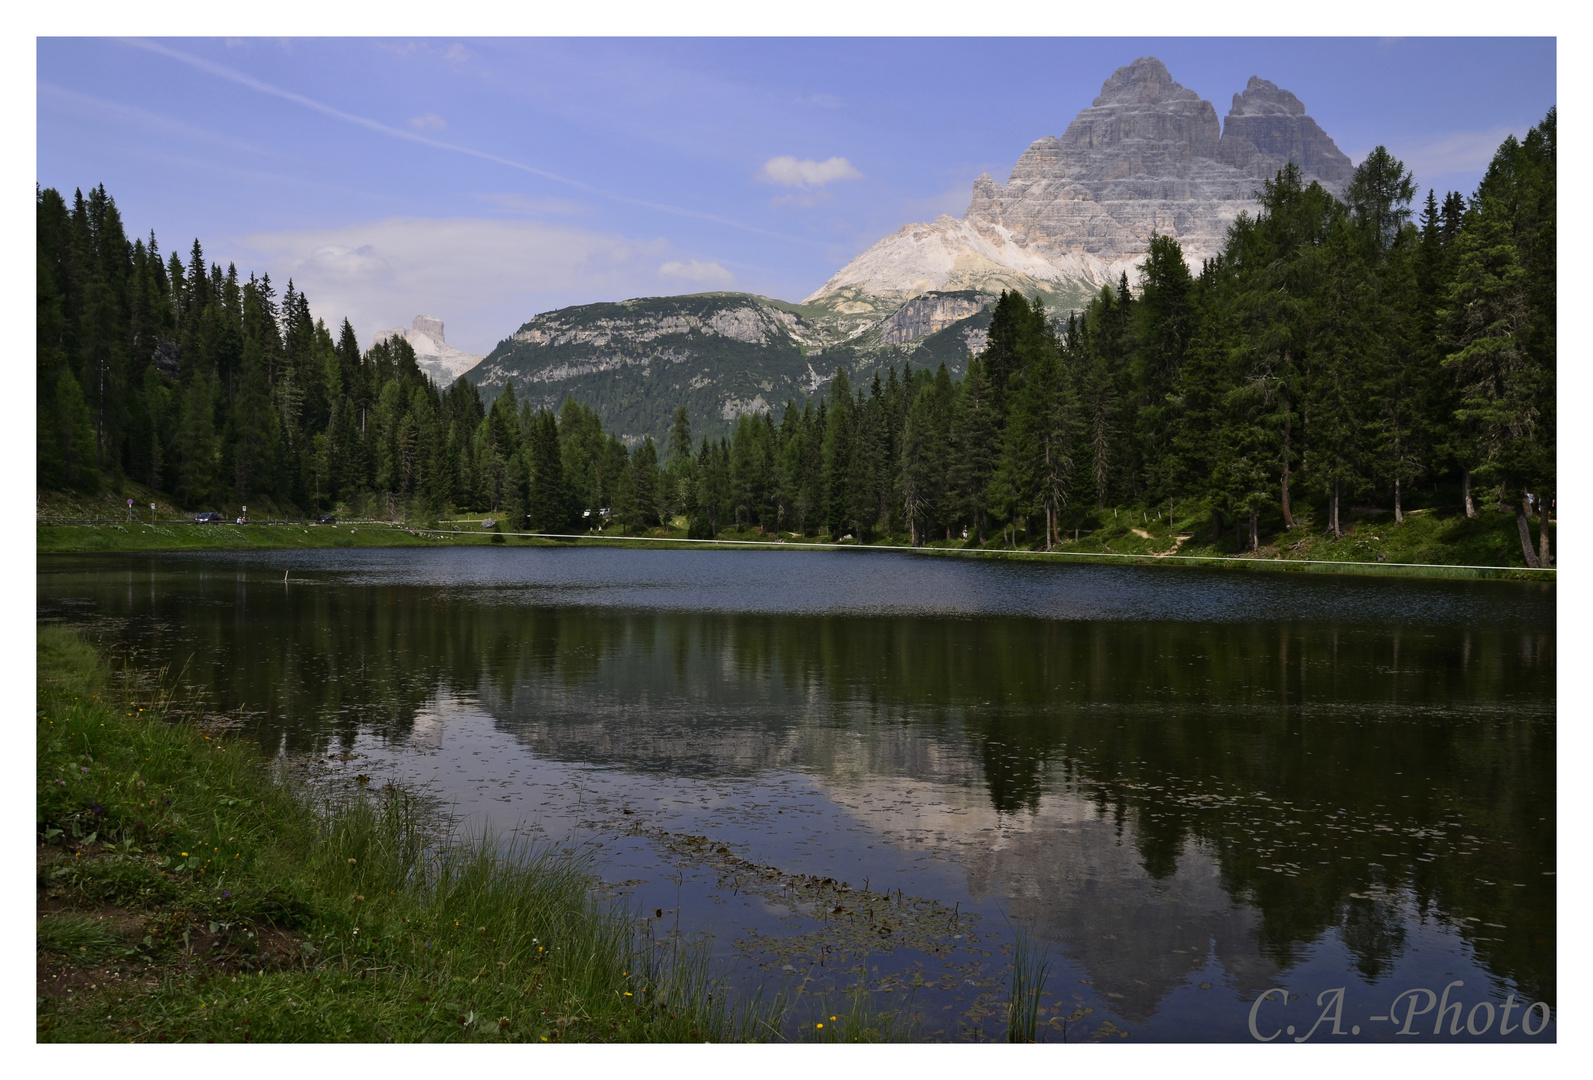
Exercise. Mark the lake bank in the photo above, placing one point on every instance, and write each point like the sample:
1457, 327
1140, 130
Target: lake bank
171, 536
1086, 750
187, 894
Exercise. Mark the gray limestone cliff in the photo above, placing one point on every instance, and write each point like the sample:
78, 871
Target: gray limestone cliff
1147, 156
440, 361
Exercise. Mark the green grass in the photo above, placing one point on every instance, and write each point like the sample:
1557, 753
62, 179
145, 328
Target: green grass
1029, 969
78, 937
188, 894
1429, 543
176, 537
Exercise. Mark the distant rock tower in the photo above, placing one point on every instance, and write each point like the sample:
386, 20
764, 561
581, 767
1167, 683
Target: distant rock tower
441, 362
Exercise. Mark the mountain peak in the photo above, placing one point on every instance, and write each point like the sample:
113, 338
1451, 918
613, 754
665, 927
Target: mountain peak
440, 361
429, 326
1148, 157
1144, 82
1263, 98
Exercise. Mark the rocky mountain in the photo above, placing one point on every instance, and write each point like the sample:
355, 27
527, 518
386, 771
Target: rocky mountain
1078, 210
719, 354
1148, 156
441, 362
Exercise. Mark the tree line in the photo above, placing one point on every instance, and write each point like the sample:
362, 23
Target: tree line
1333, 350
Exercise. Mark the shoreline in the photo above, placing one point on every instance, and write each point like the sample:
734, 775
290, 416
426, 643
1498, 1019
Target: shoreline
137, 538
191, 890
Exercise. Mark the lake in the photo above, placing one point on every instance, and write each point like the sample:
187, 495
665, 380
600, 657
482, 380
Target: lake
1221, 803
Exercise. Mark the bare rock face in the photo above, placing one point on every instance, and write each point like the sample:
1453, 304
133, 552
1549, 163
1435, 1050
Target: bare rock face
1268, 126
929, 314
440, 361
1147, 157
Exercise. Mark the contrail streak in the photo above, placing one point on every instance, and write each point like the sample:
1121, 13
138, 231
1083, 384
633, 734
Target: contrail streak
231, 75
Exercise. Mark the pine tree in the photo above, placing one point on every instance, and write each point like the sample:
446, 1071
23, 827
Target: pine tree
549, 502
1499, 319
974, 450
840, 433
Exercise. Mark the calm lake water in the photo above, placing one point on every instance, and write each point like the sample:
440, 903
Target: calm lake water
1188, 787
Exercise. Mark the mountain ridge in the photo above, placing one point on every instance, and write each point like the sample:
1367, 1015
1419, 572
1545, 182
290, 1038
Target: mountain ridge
1147, 156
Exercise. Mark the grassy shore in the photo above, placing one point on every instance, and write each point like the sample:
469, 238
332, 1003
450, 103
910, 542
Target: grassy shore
1431, 541
186, 893
174, 536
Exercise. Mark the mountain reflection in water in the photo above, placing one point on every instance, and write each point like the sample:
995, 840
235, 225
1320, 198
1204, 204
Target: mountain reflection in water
1158, 770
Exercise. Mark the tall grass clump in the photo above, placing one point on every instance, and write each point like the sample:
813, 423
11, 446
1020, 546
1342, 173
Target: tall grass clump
251, 909
1029, 969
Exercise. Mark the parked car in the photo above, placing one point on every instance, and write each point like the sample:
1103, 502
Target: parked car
326, 519
209, 517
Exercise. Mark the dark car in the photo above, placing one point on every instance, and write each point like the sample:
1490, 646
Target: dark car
326, 519
209, 517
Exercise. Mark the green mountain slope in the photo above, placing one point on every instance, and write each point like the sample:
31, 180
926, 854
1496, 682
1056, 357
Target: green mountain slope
719, 354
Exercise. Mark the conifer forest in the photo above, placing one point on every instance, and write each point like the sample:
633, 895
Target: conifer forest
1381, 348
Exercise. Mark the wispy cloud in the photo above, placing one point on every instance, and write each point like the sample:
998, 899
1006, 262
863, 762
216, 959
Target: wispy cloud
700, 273
789, 171
484, 276
455, 55
536, 205
1454, 152
259, 85
430, 121
953, 201
87, 105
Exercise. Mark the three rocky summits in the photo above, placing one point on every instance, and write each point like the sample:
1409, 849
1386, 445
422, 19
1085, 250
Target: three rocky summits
1148, 156
1078, 210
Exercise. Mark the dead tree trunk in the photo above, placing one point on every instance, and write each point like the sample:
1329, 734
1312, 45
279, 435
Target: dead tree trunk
1524, 526
1545, 556
1399, 513
1465, 490
1288, 515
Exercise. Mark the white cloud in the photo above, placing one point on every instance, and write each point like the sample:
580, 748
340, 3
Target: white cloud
483, 276
1455, 152
700, 273
430, 121
790, 172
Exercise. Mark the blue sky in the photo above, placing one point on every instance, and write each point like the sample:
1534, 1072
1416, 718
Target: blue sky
485, 180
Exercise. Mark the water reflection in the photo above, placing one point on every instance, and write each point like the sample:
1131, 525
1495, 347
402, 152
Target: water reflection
1166, 773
